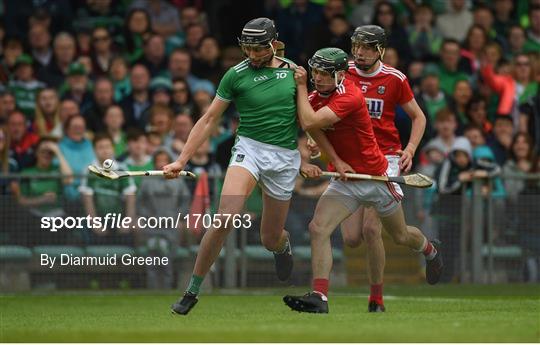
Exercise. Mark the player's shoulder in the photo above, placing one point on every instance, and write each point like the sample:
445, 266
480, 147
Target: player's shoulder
348, 88
351, 68
341, 90
392, 72
288, 63
239, 67
347, 92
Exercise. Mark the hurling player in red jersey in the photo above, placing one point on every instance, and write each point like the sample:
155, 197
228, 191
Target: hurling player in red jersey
384, 88
336, 116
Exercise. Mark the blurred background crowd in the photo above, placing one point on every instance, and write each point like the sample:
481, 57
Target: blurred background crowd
86, 80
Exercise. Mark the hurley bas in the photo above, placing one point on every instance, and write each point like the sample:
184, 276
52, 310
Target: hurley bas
108, 260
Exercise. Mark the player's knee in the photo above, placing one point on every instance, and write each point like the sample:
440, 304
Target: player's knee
352, 241
226, 216
400, 238
271, 241
372, 233
316, 229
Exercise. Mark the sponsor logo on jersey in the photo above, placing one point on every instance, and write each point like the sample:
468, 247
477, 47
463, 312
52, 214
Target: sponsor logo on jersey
260, 78
375, 107
240, 158
381, 89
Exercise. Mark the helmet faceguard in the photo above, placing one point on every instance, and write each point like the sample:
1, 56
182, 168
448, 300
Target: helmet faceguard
330, 60
372, 36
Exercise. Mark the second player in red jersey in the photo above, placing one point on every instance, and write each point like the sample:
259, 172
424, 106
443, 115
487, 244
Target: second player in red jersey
384, 90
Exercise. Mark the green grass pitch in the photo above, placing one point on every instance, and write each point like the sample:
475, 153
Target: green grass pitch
500, 313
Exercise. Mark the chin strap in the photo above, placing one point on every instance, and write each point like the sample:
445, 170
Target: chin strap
336, 84
366, 68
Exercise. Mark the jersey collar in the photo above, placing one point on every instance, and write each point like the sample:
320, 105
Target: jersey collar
372, 74
325, 95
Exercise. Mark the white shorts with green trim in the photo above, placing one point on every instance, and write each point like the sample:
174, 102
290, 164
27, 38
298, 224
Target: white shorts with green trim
274, 167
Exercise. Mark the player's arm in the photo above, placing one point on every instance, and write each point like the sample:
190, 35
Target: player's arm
418, 120
306, 168
313, 122
203, 128
28, 201
65, 169
324, 144
198, 135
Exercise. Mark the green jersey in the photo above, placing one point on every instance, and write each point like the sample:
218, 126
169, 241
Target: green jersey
120, 145
25, 93
531, 46
433, 105
449, 79
266, 101
34, 187
528, 92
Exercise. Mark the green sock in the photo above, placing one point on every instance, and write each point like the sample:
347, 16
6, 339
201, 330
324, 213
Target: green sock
195, 284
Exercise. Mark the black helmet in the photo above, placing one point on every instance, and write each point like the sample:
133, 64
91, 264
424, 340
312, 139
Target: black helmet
259, 31
330, 60
371, 35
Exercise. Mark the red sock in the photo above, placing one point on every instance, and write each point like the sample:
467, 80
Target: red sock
429, 249
321, 285
376, 293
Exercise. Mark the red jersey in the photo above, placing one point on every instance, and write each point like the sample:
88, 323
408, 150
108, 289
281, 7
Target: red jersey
352, 137
384, 90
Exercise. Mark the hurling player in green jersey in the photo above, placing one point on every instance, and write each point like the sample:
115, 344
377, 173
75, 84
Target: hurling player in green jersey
265, 153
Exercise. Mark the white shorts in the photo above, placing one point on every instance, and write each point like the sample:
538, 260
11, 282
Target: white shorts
274, 167
385, 197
